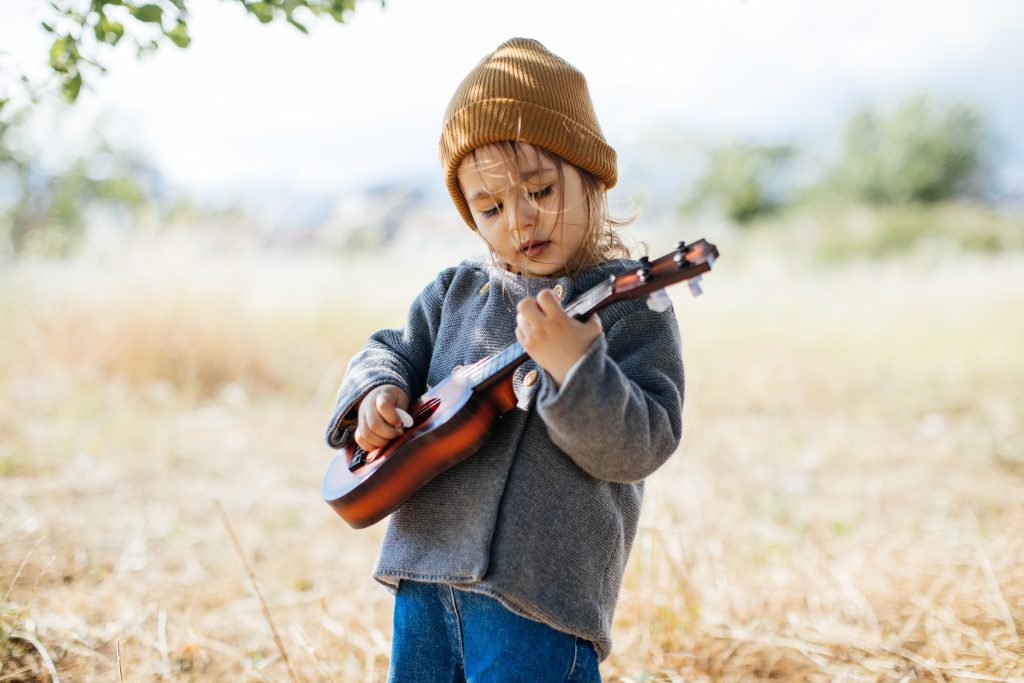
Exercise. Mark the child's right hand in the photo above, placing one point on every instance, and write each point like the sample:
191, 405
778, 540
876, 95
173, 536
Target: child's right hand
379, 422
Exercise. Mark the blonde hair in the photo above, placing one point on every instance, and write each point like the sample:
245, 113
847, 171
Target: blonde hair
601, 240
605, 242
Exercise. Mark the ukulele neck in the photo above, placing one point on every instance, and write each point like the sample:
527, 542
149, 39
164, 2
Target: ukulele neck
498, 367
687, 262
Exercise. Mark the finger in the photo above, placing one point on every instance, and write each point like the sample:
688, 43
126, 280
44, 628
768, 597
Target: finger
401, 399
375, 440
530, 313
386, 408
594, 322
368, 440
381, 428
528, 306
524, 324
549, 303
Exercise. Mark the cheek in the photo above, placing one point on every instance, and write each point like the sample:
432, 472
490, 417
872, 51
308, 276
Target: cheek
574, 226
493, 237
577, 215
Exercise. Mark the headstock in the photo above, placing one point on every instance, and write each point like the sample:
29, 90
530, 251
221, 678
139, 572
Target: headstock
686, 262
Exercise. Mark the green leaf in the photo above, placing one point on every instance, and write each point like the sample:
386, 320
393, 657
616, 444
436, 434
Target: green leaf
72, 86
263, 11
112, 31
62, 10
337, 12
56, 52
49, 28
63, 54
179, 35
298, 25
151, 14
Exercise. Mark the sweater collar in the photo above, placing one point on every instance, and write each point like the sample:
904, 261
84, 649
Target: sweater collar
519, 287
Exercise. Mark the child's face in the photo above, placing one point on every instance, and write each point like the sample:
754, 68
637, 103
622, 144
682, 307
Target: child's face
532, 213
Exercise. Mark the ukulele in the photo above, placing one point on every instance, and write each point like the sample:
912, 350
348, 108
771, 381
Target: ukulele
453, 419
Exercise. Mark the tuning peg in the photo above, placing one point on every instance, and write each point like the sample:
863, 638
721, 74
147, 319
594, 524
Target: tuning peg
680, 256
694, 284
644, 271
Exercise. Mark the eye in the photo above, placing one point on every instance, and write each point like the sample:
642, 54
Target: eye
492, 212
541, 194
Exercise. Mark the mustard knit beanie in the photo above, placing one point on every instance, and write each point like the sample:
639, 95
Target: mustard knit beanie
522, 92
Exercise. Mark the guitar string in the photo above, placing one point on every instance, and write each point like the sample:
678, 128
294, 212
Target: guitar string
585, 303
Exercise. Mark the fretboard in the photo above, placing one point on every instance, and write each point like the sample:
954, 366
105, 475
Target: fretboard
498, 366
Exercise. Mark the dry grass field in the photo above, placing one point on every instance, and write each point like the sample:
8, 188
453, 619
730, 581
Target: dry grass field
847, 503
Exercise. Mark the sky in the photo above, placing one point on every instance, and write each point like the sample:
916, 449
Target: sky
253, 107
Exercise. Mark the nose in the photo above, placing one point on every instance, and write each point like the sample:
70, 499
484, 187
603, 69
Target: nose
521, 214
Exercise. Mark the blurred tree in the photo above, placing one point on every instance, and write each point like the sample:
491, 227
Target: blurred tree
80, 28
44, 212
921, 151
742, 179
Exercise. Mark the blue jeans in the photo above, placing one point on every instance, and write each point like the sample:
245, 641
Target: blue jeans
443, 635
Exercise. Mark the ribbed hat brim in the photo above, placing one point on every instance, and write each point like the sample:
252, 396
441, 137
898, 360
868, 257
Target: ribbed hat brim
503, 120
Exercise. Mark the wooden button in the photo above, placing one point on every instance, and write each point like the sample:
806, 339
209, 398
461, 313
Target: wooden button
559, 291
456, 369
530, 378
483, 290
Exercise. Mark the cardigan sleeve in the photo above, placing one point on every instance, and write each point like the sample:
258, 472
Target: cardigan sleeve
618, 414
399, 356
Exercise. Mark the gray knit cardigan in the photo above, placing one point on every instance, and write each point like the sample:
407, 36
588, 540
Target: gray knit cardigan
543, 516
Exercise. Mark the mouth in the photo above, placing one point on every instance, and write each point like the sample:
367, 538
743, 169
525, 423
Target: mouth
533, 249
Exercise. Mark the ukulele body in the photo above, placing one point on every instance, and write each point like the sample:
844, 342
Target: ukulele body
450, 422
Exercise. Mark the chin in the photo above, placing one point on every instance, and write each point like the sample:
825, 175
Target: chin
533, 268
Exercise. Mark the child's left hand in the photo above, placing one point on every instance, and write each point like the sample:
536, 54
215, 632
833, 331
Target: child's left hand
553, 339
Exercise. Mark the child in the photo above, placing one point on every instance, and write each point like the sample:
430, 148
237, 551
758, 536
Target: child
507, 567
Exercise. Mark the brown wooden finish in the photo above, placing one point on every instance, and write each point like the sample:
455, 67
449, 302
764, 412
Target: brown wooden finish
456, 429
